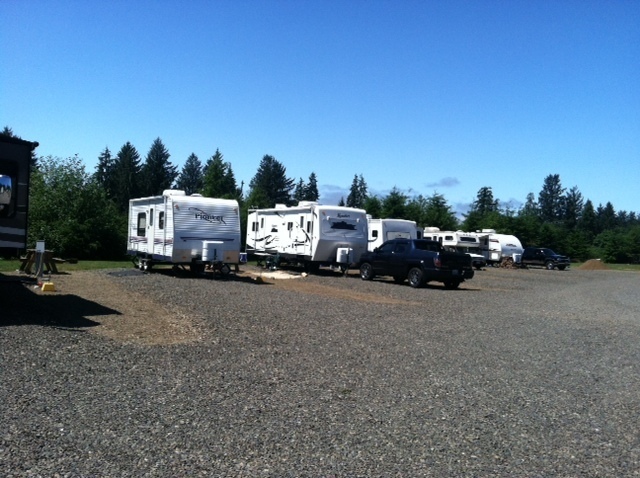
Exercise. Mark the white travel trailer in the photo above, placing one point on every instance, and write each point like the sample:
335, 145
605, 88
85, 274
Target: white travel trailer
201, 232
381, 230
459, 241
310, 234
500, 248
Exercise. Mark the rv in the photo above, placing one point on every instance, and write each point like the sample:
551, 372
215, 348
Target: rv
459, 241
500, 249
201, 232
310, 234
381, 230
15, 166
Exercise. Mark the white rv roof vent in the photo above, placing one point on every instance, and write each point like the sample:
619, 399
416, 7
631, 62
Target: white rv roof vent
490, 231
307, 203
196, 195
173, 192
431, 229
281, 206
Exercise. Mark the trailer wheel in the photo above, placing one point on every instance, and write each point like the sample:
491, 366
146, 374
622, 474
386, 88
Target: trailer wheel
196, 269
366, 271
415, 277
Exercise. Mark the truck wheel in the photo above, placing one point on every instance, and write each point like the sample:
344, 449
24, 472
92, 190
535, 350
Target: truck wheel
452, 284
366, 271
549, 265
415, 277
561, 268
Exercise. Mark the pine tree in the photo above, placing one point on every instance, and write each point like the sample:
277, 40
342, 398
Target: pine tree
551, 199
394, 205
158, 173
126, 173
358, 192
104, 174
219, 180
190, 179
573, 204
311, 190
299, 192
271, 179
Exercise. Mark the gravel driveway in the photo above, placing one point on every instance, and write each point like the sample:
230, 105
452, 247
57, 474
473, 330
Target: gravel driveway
519, 373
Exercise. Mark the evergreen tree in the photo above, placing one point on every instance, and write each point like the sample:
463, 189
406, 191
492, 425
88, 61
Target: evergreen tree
573, 204
158, 173
219, 180
394, 205
530, 207
588, 222
373, 206
341, 202
551, 199
190, 179
606, 217
357, 193
271, 179
104, 174
485, 203
311, 191
439, 214
126, 173
299, 193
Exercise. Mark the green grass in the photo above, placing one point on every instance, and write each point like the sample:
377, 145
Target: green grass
14, 265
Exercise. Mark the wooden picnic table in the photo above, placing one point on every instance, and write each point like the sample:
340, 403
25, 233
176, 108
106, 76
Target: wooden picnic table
48, 261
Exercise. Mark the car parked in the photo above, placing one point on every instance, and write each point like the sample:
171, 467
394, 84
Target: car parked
544, 257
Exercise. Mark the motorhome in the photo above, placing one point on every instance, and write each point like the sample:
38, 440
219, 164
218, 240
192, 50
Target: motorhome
500, 248
309, 234
15, 167
459, 241
381, 230
201, 232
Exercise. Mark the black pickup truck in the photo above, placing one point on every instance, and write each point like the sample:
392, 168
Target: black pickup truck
418, 261
544, 257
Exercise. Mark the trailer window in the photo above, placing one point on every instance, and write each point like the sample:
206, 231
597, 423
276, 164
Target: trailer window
309, 226
142, 224
254, 226
261, 222
289, 226
8, 189
151, 217
161, 220
374, 234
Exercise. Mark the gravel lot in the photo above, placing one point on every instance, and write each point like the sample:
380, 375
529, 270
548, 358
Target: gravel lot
519, 373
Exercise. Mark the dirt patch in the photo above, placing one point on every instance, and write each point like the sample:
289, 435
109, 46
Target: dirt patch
594, 265
138, 319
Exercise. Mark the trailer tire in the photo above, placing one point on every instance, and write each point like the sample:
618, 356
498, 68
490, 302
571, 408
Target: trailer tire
366, 271
196, 269
415, 277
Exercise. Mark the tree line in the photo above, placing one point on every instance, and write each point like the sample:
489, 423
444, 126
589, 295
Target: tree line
84, 215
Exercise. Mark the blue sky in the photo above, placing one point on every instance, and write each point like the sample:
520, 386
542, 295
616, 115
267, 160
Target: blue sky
426, 96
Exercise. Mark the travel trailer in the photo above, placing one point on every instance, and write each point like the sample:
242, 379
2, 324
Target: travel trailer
201, 232
381, 230
459, 241
309, 234
15, 166
500, 248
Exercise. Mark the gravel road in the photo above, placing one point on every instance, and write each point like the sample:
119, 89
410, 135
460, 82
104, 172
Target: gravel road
519, 373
